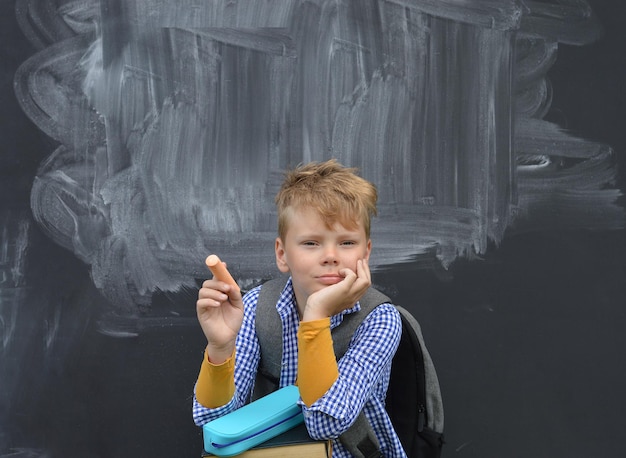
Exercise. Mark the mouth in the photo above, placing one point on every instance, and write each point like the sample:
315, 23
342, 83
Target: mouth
330, 279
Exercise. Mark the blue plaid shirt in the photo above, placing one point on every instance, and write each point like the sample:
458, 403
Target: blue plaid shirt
363, 373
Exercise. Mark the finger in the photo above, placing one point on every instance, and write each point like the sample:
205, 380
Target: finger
214, 283
363, 281
215, 296
222, 294
213, 293
207, 305
349, 276
234, 294
363, 270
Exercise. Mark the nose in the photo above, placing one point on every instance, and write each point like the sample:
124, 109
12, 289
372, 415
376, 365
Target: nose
330, 256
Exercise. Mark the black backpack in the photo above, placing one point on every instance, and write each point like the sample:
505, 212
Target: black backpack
413, 386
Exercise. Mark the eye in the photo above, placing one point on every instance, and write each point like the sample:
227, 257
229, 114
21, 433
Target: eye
309, 243
348, 243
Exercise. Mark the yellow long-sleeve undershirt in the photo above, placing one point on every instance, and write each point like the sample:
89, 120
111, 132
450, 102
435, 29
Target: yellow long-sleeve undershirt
317, 365
216, 382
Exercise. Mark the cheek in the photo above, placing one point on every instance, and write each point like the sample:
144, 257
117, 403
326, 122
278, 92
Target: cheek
364, 253
368, 251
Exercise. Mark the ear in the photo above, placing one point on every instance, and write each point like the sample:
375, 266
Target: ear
281, 261
369, 249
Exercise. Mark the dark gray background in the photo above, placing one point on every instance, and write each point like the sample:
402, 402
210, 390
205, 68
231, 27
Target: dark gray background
528, 342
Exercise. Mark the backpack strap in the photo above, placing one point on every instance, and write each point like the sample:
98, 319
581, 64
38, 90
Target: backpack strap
360, 438
269, 332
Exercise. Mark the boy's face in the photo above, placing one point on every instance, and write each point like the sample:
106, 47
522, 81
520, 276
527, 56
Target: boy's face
314, 254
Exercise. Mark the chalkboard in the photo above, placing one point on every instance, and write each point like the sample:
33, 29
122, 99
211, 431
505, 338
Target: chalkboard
139, 137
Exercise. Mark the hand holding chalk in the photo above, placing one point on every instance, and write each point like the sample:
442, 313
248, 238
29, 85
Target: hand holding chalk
220, 318
219, 271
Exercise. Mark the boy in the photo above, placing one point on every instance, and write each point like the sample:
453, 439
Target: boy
324, 212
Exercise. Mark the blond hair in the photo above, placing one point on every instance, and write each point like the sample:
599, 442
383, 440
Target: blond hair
335, 192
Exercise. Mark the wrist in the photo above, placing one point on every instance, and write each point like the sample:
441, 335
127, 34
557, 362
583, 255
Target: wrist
217, 355
314, 312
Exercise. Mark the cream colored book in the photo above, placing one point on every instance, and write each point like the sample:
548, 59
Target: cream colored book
294, 443
313, 449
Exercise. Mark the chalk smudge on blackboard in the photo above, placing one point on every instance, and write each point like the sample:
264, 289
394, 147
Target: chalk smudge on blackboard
15, 231
175, 122
14, 236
